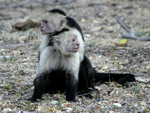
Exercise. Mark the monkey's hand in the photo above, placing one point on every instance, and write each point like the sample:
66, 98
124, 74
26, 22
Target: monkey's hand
73, 100
33, 100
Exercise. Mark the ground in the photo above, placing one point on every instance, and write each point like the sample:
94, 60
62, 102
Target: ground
19, 62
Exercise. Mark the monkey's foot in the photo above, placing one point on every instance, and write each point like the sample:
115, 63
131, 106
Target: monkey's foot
33, 100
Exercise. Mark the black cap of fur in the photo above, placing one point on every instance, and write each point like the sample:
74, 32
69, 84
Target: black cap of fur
72, 23
57, 11
62, 31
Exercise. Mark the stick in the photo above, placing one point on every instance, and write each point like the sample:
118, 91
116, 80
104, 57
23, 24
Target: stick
29, 1
122, 25
135, 38
18, 5
128, 35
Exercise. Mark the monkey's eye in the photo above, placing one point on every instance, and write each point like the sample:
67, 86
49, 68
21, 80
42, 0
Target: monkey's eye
45, 21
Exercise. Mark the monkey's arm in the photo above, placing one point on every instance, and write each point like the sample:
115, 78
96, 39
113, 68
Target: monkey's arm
39, 86
71, 87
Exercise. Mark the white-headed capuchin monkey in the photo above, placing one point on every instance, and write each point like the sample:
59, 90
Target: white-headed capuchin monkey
67, 43
63, 65
64, 55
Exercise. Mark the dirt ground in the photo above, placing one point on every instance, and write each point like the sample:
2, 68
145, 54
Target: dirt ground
19, 62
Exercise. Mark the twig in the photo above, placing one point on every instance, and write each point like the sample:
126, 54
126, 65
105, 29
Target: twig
84, 94
128, 35
98, 99
55, 3
9, 18
135, 38
29, 1
122, 25
18, 5
66, 1
14, 46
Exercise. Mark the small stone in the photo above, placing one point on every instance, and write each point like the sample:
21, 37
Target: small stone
117, 104
68, 110
143, 103
54, 102
111, 112
102, 107
5, 110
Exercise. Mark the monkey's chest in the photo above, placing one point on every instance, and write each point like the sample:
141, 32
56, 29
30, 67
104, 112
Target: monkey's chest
52, 59
59, 61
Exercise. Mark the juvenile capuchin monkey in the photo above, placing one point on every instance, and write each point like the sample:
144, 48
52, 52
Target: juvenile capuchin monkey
63, 65
67, 43
63, 56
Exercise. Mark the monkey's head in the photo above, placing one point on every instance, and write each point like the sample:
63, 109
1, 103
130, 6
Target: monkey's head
53, 21
67, 43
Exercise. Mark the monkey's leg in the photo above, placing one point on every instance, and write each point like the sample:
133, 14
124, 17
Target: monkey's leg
83, 79
83, 87
89, 71
39, 86
56, 82
71, 87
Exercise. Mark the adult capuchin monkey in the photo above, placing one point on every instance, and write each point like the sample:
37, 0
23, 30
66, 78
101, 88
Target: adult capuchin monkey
63, 65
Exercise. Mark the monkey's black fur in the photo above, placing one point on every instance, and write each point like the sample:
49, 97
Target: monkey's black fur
57, 11
57, 33
72, 23
59, 80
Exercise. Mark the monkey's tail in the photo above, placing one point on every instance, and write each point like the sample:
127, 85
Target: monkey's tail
120, 78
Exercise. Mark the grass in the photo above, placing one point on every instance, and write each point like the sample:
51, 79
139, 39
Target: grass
92, 43
135, 89
36, 46
138, 34
12, 58
8, 87
4, 59
33, 35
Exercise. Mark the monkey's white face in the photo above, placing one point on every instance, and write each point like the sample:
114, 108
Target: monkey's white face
52, 23
48, 26
67, 43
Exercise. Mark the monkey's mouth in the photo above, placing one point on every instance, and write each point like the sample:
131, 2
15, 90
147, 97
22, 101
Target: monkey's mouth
75, 49
42, 31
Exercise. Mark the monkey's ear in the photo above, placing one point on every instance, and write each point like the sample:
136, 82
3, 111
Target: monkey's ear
56, 38
63, 19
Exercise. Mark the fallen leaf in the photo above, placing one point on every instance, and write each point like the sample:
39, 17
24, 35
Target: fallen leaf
97, 107
122, 43
111, 54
